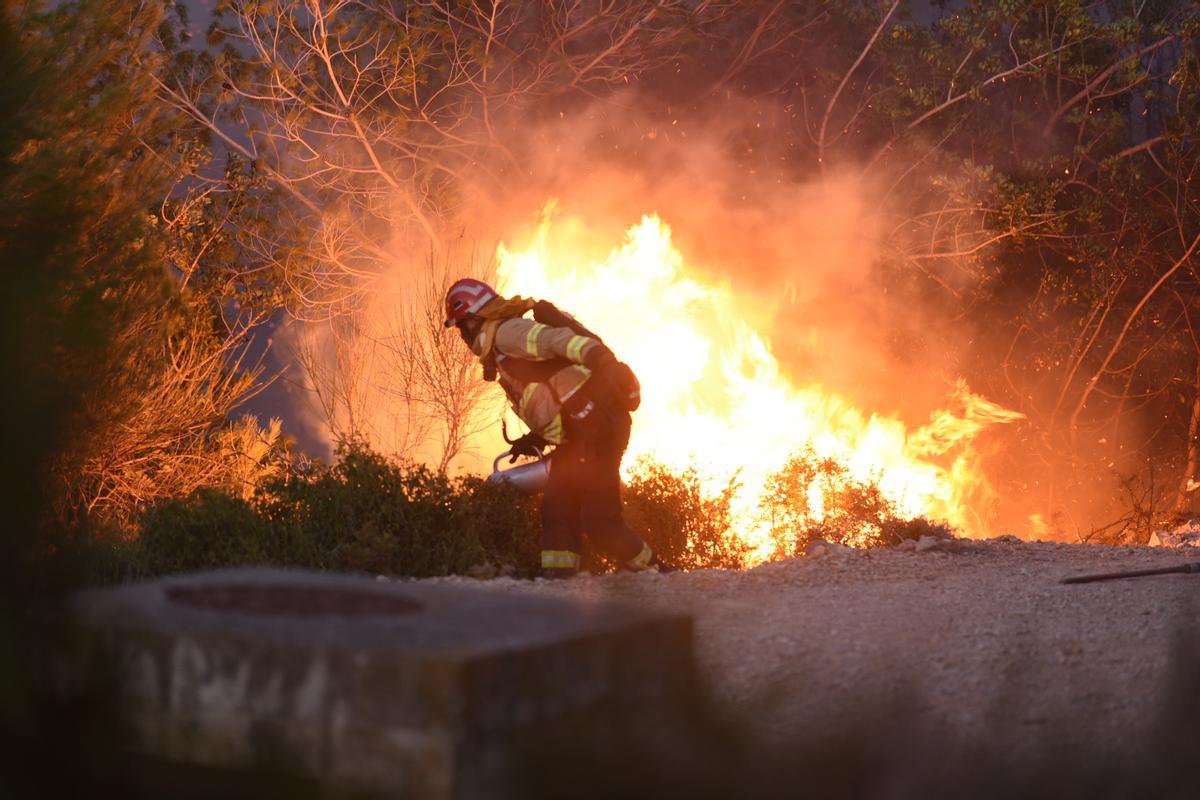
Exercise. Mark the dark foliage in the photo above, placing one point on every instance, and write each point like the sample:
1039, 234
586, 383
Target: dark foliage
210, 529
369, 513
372, 514
57, 155
366, 513
684, 524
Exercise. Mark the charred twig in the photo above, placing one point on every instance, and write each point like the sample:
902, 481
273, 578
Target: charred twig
1182, 569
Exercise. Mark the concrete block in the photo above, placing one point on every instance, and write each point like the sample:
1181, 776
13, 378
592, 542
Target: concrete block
408, 689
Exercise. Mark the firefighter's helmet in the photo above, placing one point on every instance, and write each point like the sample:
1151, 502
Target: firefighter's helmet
465, 298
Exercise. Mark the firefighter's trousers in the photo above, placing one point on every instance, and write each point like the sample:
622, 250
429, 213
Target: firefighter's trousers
583, 495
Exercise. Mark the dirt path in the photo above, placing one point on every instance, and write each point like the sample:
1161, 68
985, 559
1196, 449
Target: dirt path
976, 642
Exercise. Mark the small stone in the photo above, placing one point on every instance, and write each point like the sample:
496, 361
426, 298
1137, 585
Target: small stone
482, 572
816, 548
926, 543
1185, 535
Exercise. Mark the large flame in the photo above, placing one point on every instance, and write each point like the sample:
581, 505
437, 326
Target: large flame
715, 397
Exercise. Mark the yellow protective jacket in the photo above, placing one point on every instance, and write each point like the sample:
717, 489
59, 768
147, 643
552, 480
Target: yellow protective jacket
539, 403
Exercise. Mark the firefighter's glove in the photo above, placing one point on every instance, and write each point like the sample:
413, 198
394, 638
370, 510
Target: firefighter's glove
528, 445
620, 384
599, 357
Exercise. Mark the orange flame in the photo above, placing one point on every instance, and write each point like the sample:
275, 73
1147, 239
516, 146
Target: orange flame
715, 397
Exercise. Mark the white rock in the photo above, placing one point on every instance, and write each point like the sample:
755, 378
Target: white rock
926, 543
816, 548
1186, 535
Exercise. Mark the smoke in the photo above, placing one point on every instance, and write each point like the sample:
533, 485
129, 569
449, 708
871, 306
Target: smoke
819, 263
389, 374
805, 253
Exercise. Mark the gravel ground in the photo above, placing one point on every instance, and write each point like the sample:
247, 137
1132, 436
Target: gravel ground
970, 640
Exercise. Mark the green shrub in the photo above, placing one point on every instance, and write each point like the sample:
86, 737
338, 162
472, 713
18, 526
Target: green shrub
100, 555
374, 514
505, 522
211, 528
365, 513
685, 526
369, 513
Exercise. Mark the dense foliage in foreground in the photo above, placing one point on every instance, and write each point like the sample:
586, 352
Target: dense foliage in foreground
369, 513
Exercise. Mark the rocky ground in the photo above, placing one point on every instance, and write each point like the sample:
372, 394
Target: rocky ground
965, 641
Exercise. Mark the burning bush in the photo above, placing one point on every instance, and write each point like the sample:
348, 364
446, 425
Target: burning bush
816, 498
686, 526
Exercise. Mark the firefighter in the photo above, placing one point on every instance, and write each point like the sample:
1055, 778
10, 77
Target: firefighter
573, 393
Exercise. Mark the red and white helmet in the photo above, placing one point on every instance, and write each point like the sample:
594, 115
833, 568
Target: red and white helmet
466, 297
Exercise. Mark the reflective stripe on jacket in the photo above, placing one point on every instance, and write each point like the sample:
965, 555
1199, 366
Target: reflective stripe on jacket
539, 404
